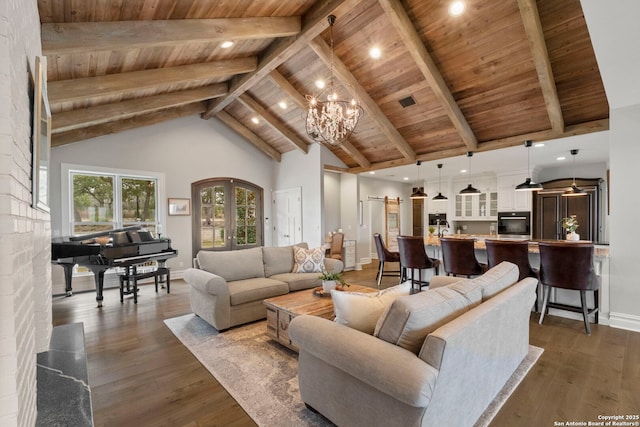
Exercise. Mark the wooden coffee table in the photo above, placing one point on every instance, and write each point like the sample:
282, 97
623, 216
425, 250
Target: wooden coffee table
280, 310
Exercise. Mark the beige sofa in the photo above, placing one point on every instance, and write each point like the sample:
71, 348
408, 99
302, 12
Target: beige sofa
228, 288
437, 358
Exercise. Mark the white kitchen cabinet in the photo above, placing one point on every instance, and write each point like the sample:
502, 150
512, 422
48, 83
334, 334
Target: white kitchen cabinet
435, 206
508, 198
481, 207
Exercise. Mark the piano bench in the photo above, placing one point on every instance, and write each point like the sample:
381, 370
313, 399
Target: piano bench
130, 275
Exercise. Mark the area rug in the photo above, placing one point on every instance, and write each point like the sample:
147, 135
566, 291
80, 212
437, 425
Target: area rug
261, 375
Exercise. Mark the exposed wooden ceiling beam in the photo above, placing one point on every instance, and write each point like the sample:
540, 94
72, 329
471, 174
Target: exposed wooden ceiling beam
533, 27
313, 23
249, 135
302, 103
84, 117
274, 122
73, 37
546, 135
410, 37
322, 49
129, 83
130, 123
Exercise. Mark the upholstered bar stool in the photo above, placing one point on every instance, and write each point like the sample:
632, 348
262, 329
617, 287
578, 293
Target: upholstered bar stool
515, 251
385, 255
414, 257
569, 265
459, 257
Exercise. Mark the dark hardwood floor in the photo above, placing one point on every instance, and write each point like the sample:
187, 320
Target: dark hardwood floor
141, 375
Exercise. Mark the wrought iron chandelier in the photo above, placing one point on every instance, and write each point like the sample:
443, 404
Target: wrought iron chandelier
334, 120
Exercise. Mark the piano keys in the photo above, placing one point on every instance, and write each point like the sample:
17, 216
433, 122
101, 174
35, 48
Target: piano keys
101, 251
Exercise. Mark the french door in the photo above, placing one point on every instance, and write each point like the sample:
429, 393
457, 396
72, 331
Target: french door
227, 215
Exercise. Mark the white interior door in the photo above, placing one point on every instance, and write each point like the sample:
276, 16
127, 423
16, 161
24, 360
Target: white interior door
287, 206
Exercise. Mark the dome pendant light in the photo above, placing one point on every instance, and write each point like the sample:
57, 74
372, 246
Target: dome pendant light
418, 193
574, 190
528, 184
470, 190
439, 196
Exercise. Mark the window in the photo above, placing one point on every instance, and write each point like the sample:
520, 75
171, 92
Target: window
227, 215
102, 200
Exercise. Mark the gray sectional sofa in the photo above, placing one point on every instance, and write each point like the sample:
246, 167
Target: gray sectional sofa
228, 288
436, 358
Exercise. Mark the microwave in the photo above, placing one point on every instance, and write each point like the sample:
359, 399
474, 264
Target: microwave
514, 223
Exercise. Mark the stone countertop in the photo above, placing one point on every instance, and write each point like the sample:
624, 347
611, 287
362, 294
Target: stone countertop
599, 251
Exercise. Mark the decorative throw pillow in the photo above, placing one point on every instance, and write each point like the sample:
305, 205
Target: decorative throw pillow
361, 310
409, 319
308, 260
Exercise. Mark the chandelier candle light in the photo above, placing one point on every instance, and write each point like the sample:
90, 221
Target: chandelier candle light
334, 120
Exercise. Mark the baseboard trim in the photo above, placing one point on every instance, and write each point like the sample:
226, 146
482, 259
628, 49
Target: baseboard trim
624, 321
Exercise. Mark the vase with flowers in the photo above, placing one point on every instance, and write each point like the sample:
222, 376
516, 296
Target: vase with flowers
570, 224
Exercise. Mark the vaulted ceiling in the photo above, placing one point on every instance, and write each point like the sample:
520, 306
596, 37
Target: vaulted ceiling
502, 72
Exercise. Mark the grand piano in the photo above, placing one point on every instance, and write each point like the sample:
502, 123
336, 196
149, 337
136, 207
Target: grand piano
124, 247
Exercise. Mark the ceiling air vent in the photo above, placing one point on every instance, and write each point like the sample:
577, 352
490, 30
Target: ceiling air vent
407, 102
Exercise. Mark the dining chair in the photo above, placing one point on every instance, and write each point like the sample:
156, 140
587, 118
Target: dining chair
335, 247
414, 257
459, 257
569, 265
515, 251
384, 256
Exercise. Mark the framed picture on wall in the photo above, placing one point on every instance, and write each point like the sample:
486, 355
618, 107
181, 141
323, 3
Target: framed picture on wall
179, 206
41, 138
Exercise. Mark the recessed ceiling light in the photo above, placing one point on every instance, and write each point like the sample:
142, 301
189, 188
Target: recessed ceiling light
456, 8
320, 84
375, 52
561, 158
463, 171
255, 120
372, 172
538, 144
282, 105
406, 178
227, 44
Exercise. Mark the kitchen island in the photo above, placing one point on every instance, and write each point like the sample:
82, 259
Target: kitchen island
600, 262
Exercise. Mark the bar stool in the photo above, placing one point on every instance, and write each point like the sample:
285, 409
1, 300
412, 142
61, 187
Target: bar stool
569, 265
385, 255
459, 257
515, 251
414, 257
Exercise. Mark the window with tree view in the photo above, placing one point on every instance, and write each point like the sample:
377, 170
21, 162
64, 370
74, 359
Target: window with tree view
103, 202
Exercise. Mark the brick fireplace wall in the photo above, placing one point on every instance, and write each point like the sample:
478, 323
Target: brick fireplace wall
25, 272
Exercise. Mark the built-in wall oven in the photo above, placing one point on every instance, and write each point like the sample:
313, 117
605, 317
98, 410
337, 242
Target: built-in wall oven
514, 224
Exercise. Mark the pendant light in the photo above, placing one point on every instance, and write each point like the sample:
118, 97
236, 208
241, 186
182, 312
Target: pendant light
574, 190
439, 196
470, 190
418, 193
528, 184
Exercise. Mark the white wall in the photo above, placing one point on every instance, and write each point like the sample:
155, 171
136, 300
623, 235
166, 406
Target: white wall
614, 32
297, 169
25, 272
185, 150
331, 202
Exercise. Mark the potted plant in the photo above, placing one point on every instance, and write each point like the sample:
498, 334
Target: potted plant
431, 230
570, 224
330, 281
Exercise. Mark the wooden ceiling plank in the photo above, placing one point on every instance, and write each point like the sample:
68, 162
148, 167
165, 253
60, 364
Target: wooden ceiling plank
254, 139
302, 103
410, 37
313, 23
273, 122
533, 28
131, 123
75, 37
85, 117
123, 83
545, 135
322, 49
